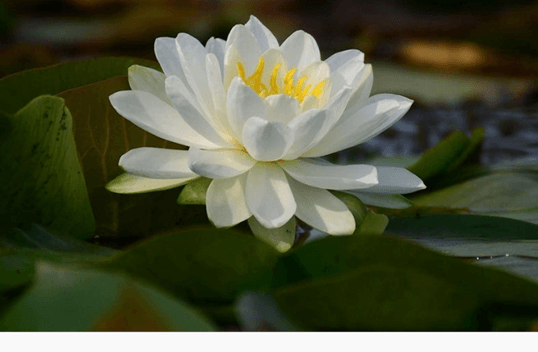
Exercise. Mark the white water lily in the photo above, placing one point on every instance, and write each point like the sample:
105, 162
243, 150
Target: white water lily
257, 116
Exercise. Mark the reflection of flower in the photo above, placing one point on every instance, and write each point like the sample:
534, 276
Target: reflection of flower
257, 116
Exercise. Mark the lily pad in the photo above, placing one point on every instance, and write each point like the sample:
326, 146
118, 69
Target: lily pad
67, 298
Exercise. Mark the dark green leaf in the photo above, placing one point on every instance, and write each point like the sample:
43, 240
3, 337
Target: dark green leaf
40, 179
204, 265
66, 298
19, 89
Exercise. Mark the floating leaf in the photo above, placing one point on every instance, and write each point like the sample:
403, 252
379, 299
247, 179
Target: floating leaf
19, 89
496, 192
259, 312
203, 266
384, 283
66, 298
40, 179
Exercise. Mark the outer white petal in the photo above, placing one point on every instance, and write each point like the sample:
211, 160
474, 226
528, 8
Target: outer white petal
381, 112
266, 39
337, 177
242, 104
155, 116
157, 163
281, 108
168, 57
226, 202
217, 47
214, 80
321, 210
192, 56
269, 196
148, 80
391, 201
346, 67
300, 50
222, 163
246, 44
198, 121
265, 140
359, 98
131, 184
395, 180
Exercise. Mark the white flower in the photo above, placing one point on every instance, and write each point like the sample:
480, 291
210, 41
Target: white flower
257, 116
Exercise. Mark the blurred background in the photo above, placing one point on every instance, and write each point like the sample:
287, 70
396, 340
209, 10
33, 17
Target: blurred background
466, 63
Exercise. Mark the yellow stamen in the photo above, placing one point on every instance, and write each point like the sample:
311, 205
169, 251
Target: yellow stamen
288, 87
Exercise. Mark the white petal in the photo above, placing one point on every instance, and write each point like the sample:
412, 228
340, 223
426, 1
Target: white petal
321, 210
337, 177
272, 58
391, 201
198, 121
157, 163
395, 180
269, 196
300, 50
148, 80
359, 98
242, 104
246, 44
217, 47
265, 140
155, 116
214, 80
281, 108
131, 184
168, 57
345, 69
281, 238
315, 72
192, 56
266, 39
310, 127
381, 112
222, 163
226, 202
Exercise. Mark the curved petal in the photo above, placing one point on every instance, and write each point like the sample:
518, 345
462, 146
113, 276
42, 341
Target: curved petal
281, 108
157, 163
148, 80
269, 196
395, 180
131, 184
242, 104
281, 238
176, 91
222, 163
266, 39
168, 57
246, 44
192, 55
337, 177
214, 79
300, 50
391, 201
381, 112
155, 116
226, 201
310, 127
217, 47
265, 140
345, 68
359, 98
321, 210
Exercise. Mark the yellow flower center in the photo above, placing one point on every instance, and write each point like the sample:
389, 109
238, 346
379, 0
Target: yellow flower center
288, 86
